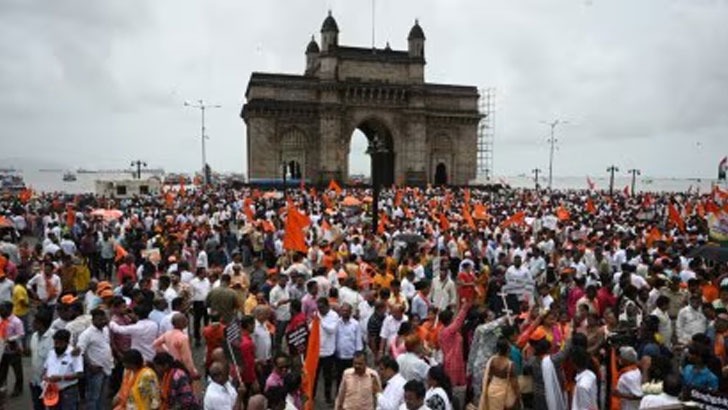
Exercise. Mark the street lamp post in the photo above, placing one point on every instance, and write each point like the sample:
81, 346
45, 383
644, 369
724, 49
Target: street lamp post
634, 173
612, 169
536, 171
200, 104
376, 148
138, 164
552, 141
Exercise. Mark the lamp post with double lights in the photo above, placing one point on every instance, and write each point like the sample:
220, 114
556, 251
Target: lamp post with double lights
202, 106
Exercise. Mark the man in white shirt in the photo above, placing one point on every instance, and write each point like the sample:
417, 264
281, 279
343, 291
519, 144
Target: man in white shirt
41, 343
220, 393
348, 295
200, 286
94, 345
690, 321
143, 332
348, 340
518, 280
262, 338
6, 288
393, 395
671, 388
64, 369
390, 327
329, 324
414, 396
629, 385
585, 390
68, 246
443, 293
280, 301
411, 365
665, 329
46, 285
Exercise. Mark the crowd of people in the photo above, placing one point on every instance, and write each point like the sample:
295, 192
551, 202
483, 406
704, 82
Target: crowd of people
223, 298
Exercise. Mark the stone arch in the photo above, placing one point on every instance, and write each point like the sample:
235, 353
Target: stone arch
441, 158
293, 145
381, 146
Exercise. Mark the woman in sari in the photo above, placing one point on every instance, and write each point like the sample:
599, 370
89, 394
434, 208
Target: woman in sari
176, 388
140, 386
500, 382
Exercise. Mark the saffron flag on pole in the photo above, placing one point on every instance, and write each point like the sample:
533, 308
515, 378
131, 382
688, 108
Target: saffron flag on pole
444, 223
647, 201
591, 183
590, 206
293, 238
334, 186
518, 218
626, 191
480, 212
310, 364
674, 217
468, 218
562, 213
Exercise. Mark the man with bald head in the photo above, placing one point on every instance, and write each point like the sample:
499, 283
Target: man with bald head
177, 343
220, 393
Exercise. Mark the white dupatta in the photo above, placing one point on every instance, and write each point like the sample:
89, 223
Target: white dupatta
555, 398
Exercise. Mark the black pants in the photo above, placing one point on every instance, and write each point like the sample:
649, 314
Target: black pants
199, 312
107, 267
14, 360
280, 332
341, 365
117, 375
325, 366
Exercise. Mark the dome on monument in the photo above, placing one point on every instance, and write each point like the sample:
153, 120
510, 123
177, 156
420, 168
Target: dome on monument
329, 24
312, 46
416, 32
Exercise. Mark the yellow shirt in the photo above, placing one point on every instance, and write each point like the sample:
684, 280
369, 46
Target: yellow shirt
20, 300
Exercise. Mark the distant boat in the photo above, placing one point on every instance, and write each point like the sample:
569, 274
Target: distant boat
69, 177
11, 180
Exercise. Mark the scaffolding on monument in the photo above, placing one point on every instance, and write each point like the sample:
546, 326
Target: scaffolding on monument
486, 133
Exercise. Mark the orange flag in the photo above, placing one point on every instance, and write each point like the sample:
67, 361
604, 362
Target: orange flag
120, 252
333, 186
674, 217
326, 200
70, 216
626, 190
519, 218
398, 198
654, 236
614, 404
268, 226
444, 223
590, 206
700, 209
480, 212
711, 207
248, 210
562, 213
312, 358
293, 237
466, 197
468, 218
25, 195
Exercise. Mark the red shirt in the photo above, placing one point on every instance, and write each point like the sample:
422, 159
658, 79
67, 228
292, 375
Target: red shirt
247, 353
214, 335
606, 300
466, 292
125, 271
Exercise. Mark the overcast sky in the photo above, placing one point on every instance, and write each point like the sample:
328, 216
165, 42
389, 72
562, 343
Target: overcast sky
99, 83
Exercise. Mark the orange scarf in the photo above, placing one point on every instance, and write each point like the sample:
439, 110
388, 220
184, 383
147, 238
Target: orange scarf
130, 380
166, 387
4, 328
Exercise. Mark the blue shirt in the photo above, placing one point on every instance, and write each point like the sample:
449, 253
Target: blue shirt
517, 359
348, 339
700, 379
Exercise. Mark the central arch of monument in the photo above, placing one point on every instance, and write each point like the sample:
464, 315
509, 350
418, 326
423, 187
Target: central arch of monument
418, 132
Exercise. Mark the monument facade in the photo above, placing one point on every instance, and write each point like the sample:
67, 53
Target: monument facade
418, 132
